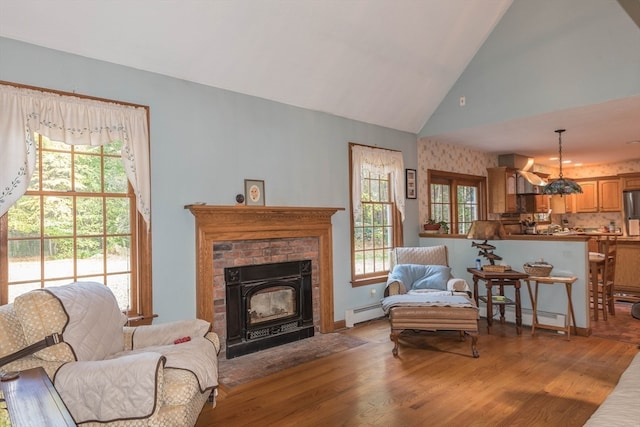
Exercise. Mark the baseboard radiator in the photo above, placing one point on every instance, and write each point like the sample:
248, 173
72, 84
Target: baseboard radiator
545, 317
362, 314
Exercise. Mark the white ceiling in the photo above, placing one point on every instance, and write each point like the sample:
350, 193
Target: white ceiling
384, 62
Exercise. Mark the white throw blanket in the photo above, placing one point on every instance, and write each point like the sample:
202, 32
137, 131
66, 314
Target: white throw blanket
421, 299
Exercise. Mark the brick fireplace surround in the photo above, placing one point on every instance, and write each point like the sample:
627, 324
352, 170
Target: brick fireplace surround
242, 235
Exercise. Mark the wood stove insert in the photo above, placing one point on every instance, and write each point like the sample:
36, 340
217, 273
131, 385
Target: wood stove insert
267, 305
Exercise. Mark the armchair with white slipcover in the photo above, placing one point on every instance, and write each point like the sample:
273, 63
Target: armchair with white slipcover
107, 373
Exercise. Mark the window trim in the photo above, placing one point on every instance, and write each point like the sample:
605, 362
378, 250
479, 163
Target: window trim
143, 290
397, 230
454, 179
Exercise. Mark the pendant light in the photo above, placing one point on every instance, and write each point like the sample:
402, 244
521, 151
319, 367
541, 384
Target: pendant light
561, 186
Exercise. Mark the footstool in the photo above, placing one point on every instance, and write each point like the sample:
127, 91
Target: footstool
434, 318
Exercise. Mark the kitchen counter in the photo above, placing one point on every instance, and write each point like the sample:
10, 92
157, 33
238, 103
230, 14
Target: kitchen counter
553, 237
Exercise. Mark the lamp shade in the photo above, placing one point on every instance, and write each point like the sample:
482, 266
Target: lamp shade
486, 230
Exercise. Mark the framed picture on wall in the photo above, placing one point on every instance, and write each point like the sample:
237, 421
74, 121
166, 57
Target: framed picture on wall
411, 184
254, 192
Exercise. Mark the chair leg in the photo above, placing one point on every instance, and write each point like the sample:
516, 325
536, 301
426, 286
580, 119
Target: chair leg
394, 337
474, 343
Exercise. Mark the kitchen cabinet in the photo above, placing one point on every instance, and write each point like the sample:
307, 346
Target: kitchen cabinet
609, 195
533, 203
627, 283
630, 181
562, 204
588, 200
599, 195
501, 182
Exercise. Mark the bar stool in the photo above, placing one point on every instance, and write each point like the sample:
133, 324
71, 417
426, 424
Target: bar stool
604, 298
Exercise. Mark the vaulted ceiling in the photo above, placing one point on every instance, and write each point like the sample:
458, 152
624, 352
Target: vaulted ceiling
384, 62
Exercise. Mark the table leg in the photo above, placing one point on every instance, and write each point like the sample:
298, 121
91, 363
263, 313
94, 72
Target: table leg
594, 290
518, 308
489, 307
475, 289
534, 304
502, 319
572, 317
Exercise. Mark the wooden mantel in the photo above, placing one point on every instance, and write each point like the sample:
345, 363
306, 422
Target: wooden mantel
224, 223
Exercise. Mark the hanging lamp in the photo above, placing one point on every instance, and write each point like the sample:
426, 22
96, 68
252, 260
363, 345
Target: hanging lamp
561, 185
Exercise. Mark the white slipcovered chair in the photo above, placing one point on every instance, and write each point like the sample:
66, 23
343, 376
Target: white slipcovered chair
107, 373
422, 295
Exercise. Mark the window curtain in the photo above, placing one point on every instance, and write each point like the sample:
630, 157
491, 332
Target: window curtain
382, 161
74, 121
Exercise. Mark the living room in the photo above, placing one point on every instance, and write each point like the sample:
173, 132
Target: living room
206, 141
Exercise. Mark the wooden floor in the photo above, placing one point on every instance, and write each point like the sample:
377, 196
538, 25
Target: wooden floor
517, 381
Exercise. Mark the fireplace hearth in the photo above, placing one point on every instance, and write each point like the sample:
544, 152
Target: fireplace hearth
267, 305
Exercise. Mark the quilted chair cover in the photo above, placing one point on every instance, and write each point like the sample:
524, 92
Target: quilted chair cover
177, 395
422, 255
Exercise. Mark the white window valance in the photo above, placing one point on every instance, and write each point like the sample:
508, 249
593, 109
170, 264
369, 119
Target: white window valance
74, 121
381, 161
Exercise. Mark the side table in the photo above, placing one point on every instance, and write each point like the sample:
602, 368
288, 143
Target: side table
32, 401
500, 279
568, 281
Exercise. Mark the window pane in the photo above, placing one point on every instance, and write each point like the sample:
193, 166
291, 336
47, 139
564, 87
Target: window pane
115, 178
59, 260
24, 260
58, 216
118, 254
113, 148
34, 184
24, 217
120, 285
88, 173
56, 171
118, 212
90, 255
89, 216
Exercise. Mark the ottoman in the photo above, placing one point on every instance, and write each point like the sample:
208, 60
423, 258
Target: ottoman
434, 318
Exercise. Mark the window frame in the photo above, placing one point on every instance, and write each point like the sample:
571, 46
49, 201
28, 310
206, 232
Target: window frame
142, 291
358, 280
454, 179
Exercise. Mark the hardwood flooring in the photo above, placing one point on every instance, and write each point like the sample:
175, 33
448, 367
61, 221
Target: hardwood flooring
543, 380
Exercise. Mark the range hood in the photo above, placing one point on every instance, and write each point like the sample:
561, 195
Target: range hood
523, 164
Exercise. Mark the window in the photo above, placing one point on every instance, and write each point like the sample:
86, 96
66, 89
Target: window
78, 216
376, 218
456, 199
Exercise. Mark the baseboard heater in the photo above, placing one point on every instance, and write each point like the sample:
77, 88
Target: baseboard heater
362, 314
545, 317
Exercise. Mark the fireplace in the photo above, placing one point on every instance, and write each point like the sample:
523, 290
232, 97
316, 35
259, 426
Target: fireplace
215, 224
267, 305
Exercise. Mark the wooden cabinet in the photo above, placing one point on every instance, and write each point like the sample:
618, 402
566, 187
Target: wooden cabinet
562, 204
588, 200
601, 195
627, 282
630, 181
533, 203
502, 190
609, 195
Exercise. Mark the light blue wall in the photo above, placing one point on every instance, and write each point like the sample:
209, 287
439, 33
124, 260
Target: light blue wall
204, 143
544, 56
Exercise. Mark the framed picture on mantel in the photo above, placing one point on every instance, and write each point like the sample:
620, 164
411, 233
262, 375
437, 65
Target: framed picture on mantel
254, 192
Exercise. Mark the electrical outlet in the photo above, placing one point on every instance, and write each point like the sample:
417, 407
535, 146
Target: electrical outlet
372, 292
463, 101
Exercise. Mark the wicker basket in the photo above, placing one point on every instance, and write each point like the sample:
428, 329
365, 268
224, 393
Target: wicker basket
538, 270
